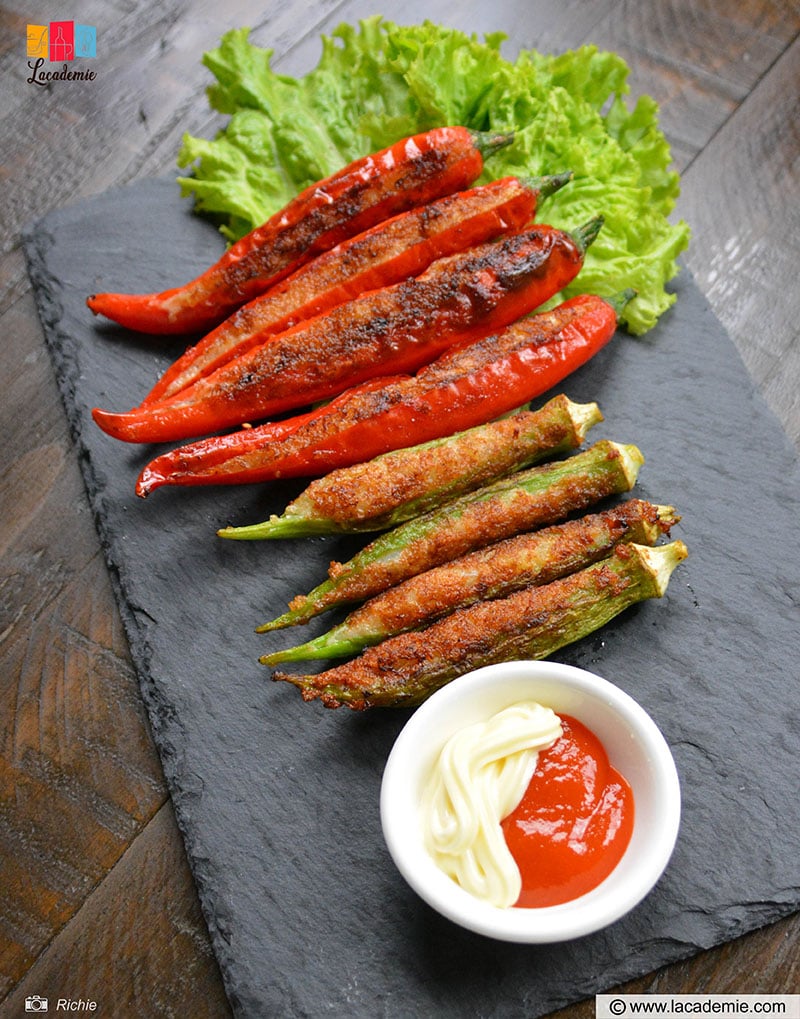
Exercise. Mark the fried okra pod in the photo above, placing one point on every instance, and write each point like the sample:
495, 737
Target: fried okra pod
533, 558
530, 624
404, 483
526, 500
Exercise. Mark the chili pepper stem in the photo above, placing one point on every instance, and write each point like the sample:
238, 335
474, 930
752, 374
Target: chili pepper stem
619, 301
489, 142
586, 234
549, 184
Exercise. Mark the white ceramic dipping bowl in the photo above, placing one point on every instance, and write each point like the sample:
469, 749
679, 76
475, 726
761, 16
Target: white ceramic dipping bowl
635, 746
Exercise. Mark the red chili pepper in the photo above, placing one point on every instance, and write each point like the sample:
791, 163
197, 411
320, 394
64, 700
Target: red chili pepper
409, 173
388, 331
218, 448
469, 385
387, 253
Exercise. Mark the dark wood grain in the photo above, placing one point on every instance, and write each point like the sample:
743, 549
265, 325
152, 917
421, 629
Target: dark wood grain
742, 197
97, 900
699, 60
764, 962
78, 775
137, 949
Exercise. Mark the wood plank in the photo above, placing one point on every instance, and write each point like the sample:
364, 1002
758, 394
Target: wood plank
78, 774
763, 962
137, 949
698, 60
31, 403
742, 199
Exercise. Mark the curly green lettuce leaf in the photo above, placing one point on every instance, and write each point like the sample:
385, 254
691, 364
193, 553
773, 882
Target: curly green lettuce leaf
378, 81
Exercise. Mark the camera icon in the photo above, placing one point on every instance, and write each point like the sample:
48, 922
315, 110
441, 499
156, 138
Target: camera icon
35, 1003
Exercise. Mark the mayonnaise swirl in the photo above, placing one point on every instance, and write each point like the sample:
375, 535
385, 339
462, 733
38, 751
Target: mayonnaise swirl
479, 778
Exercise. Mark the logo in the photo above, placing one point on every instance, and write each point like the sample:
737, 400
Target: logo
60, 42
35, 1004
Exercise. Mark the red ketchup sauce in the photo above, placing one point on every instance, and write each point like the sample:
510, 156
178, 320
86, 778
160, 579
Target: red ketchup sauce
574, 822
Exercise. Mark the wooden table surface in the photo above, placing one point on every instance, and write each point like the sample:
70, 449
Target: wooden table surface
96, 900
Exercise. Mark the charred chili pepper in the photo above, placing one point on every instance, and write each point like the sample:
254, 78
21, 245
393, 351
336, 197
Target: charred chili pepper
411, 172
393, 250
469, 385
522, 502
406, 482
534, 558
394, 329
533, 623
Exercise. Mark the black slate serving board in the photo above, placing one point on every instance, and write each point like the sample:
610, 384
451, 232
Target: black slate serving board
278, 800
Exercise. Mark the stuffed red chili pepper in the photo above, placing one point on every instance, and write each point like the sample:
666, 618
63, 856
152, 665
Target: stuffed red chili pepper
387, 253
387, 331
411, 172
470, 384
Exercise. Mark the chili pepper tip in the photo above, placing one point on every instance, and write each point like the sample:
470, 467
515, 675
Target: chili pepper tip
148, 481
112, 424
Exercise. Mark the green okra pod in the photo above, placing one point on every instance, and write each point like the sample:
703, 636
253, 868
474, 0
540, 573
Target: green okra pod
537, 557
526, 500
533, 623
404, 483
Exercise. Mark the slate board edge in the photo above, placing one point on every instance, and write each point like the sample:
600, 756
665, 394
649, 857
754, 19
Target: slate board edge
166, 730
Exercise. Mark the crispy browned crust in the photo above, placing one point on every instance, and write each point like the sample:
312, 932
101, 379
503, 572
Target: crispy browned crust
394, 239
479, 522
354, 197
526, 559
406, 395
409, 393
405, 669
368, 491
456, 295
